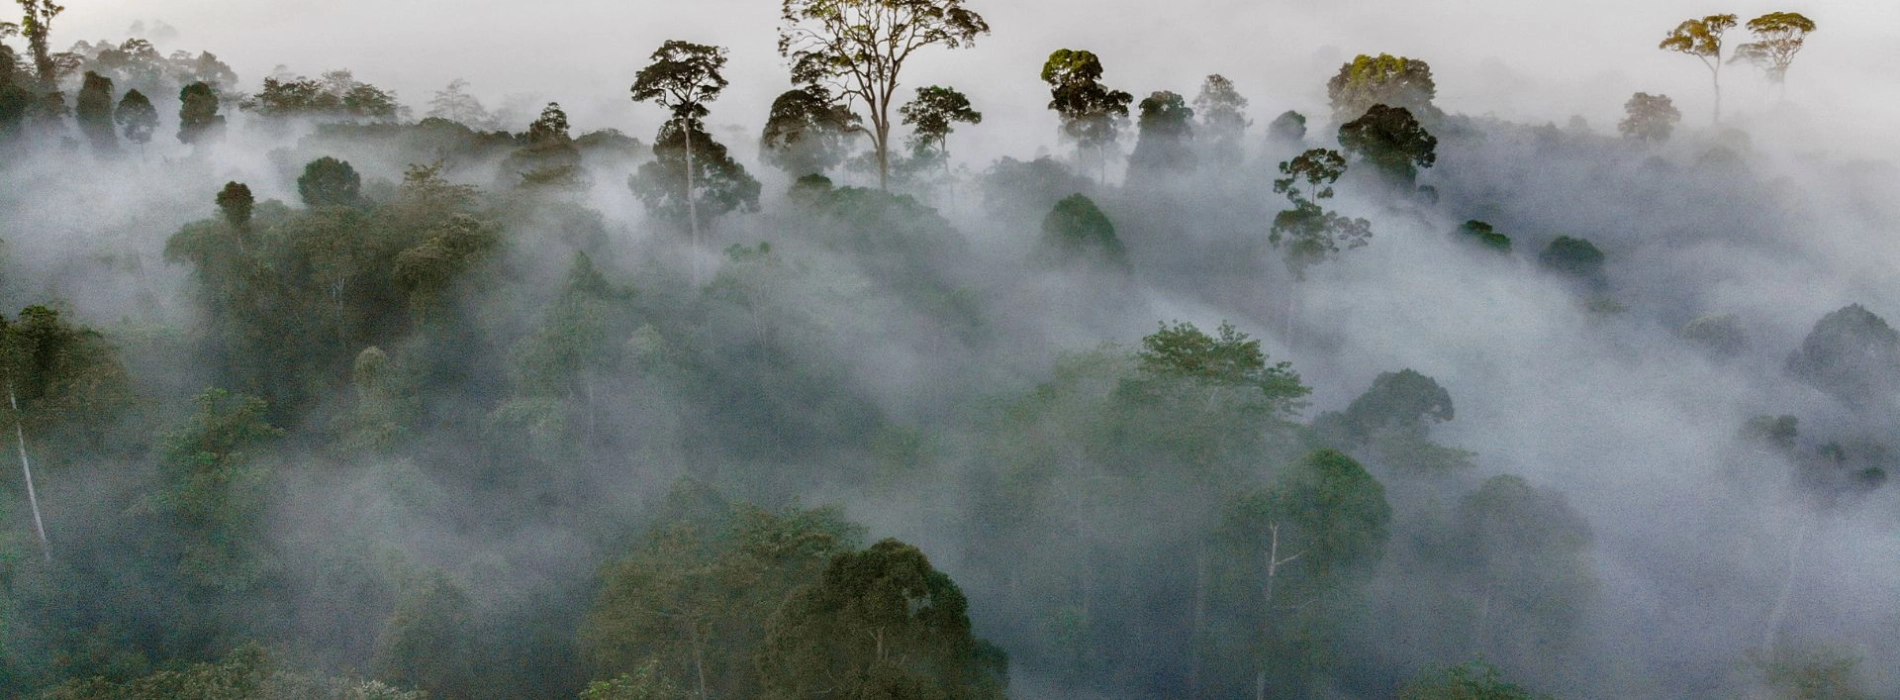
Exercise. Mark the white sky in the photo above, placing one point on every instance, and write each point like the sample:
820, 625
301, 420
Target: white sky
1530, 60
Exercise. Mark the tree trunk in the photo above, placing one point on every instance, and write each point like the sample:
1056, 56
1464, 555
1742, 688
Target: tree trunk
692, 200
1199, 622
699, 658
1780, 610
26, 467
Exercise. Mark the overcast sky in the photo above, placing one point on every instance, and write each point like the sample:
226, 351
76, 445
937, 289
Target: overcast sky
1521, 59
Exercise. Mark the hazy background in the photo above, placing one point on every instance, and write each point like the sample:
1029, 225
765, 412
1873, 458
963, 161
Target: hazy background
1524, 61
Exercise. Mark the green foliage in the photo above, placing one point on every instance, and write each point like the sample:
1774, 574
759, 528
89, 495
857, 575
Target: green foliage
248, 673
880, 623
933, 116
1649, 118
644, 683
1394, 81
1166, 128
236, 204
1701, 38
335, 95
1474, 680
61, 379
1228, 360
1076, 228
93, 109
328, 182
683, 77
720, 184
213, 491
861, 46
1778, 37
1026, 189
1575, 257
808, 132
1813, 674
426, 643
137, 117
1392, 141
689, 607
1484, 235
550, 157
198, 118
1092, 114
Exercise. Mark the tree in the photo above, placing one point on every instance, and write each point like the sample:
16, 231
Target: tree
807, 132
1853, 355
212, 492
683, 78
455, 104
1524, 557
1091, 113
1485, 235
1392, 141
425, 643
1228, 359
550, 158
137, 117
328, 182
860, 47
55, 374
1223, 114
235, 203
1394, 81
691, 605
1649, 118
933, 116
720, 184
1289, 556
94, 112
1310, 232
1078, 228
1166, 128
1288, 128
880, 623
1778, 37
198, 118
1702, 38
1575, 257
336, 94
37, 27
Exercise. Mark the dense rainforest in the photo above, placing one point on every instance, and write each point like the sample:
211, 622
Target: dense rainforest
318, 393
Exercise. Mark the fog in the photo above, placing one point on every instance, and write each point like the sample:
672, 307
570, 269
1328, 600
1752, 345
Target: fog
923, 365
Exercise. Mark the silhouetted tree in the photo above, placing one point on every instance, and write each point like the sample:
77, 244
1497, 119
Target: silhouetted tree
1702, 38
860, 47
1309, 232
1649, 118
1078, 228
1223, 112
1853, 355
1575, 257
235, 203
198, 118
1166, 130
137, 117
1485, 235
933, 116
1392, 141
93, 109
683, 78
328, 182
807, 132
1092, 114
455, 104
1289, 128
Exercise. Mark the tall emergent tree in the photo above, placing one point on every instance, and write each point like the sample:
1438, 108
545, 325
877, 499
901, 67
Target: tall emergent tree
1166, 128
1092, 114
94, 112
1649, 117
933, 116
860, 47
682, 78
37, 27
1309, 232
1389, 80
1223, 112
807, 132
1778, 37
198, 118
137, 117
1702, 38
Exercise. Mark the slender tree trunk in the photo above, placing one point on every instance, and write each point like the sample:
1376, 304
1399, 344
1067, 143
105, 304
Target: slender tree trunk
692, 200
884, 156
26, 467
699, 657
1199, 622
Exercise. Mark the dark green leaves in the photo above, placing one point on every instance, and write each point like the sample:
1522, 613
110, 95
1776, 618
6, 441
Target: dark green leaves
683, 77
